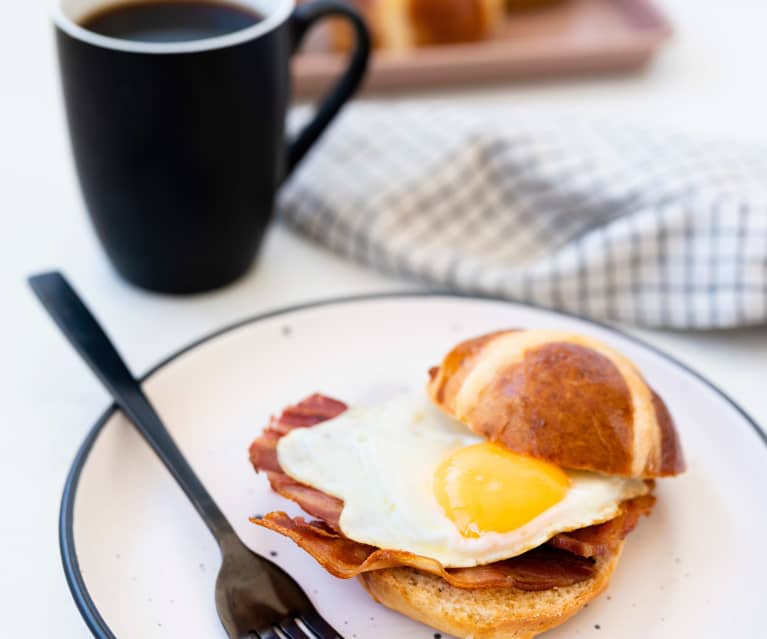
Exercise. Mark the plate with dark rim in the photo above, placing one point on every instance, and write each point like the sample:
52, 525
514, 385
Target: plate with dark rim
141, 564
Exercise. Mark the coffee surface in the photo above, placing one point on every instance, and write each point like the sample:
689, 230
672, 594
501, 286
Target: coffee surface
170, 20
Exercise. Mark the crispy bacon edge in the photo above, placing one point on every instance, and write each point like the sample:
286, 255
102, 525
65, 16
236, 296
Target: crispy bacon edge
539, 569
566, 559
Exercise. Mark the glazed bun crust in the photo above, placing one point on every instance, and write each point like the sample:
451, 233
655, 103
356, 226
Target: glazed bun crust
525, 5
399, 25
446, 21
562, 397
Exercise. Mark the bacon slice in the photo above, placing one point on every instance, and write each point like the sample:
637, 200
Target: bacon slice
539, 569
602, 539
313, 410
567, 558
311, 500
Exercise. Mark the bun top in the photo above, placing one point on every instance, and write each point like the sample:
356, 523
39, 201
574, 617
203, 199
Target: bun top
562, 397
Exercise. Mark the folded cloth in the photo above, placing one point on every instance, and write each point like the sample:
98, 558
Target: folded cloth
603, 220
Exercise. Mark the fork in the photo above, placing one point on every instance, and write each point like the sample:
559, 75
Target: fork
254, 596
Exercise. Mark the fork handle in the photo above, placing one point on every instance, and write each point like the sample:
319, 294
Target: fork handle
91, 342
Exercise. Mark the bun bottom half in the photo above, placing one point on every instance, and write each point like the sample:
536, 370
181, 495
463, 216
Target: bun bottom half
495, 613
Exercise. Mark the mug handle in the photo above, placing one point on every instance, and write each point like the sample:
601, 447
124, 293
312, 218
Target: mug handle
303, 18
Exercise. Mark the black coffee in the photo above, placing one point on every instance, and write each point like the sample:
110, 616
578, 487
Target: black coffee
170, 20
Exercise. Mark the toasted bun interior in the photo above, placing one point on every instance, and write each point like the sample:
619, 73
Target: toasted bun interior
501, 613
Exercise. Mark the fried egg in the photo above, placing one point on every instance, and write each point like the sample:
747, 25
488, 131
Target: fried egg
414, 479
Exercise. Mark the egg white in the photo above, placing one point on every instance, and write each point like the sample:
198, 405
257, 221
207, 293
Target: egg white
381, 462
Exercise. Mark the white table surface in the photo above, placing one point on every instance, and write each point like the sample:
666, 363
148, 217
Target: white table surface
710, 79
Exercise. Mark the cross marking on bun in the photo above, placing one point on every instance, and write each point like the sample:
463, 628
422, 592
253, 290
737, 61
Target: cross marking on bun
566, 398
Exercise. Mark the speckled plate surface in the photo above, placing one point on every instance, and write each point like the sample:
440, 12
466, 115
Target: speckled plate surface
141, 564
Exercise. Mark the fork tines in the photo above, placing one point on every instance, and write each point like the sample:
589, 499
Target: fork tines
309, 626
321, 628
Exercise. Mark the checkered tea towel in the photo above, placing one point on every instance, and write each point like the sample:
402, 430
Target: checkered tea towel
606, 221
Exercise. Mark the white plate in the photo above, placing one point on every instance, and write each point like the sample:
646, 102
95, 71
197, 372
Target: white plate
695, 568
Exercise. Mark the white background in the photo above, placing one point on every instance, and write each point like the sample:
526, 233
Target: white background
710, 79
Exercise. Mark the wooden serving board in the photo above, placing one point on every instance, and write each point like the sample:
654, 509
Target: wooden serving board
572, 37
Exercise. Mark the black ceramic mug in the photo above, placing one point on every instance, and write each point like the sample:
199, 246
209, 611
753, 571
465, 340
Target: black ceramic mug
180, 146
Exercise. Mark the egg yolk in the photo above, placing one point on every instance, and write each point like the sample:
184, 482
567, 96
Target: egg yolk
486, 488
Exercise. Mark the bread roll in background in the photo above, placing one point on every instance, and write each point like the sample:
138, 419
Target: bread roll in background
399, 25
566, 398
524, 5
